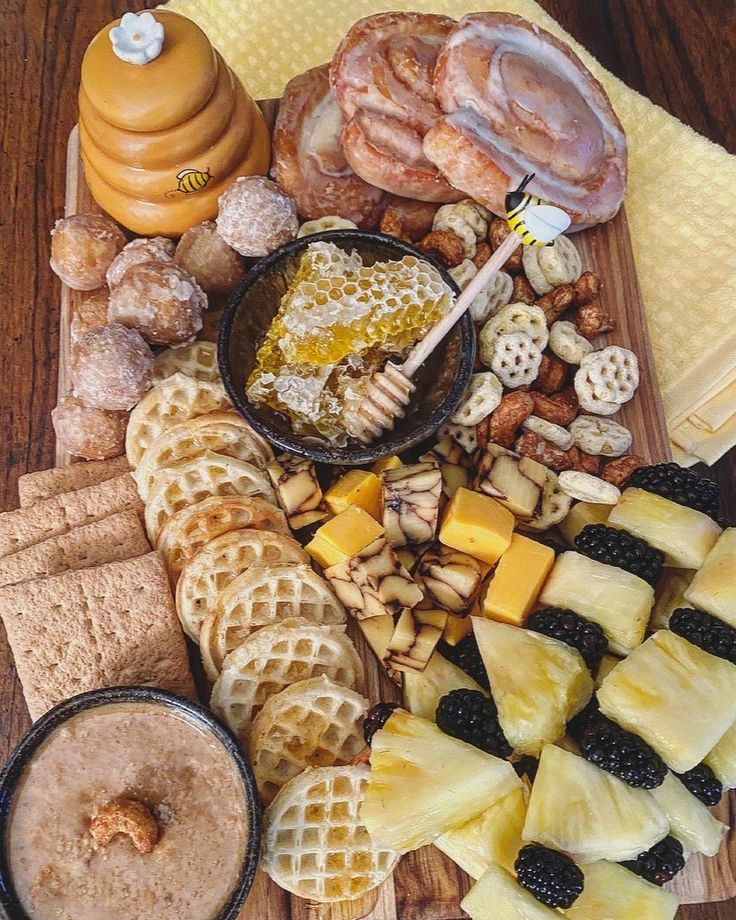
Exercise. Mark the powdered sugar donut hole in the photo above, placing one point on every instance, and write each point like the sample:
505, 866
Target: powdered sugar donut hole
156, 248
111, 368
82, 248
205, 255
255, 216
88, 432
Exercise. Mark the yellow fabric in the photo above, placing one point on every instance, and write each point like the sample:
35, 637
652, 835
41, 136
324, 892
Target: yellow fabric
681, 199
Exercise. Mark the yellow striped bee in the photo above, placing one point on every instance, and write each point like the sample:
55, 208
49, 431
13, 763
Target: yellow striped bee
536, 222
190, 181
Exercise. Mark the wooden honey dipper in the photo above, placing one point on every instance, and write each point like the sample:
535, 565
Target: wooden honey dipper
389, 391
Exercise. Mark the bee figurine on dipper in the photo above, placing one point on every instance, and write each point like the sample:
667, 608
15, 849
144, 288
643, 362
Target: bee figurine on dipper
532, 222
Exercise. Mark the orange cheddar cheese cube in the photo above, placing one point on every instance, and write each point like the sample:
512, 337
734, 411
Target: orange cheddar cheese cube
477, 525
356, 487
343, 536
456, 628
519, 576
388, 463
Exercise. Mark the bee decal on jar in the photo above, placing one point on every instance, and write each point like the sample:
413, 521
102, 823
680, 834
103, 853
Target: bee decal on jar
536, 222
190, 181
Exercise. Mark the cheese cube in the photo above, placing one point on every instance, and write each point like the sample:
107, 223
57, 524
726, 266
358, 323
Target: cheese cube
477, 525
456, 628
581, 514
377, 632
357, 487
517, 580
713, 588
388, 463
344, 536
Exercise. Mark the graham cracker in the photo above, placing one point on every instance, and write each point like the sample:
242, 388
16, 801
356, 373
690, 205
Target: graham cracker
112, 625
120, 536
58, 515
35, 487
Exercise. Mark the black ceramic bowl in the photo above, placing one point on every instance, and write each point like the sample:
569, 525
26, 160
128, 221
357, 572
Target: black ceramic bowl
441, 381
10, 908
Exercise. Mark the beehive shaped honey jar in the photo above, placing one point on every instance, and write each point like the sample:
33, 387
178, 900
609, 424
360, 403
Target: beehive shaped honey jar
164, 124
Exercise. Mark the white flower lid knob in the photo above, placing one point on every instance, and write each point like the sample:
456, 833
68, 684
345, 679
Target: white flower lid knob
138, 39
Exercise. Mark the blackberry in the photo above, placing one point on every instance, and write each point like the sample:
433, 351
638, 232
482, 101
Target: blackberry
573, 630
679, 485
705, 631
577, 725
527, 766
703, 784
552, 877
472, 717
466, 655
622, 753
376, 718
661, 863
617, 547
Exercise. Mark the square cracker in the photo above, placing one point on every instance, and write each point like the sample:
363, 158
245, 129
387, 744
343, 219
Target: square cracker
57, 515
35, 487
120, 536
108, 626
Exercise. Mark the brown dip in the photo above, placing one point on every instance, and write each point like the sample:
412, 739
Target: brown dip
144, 751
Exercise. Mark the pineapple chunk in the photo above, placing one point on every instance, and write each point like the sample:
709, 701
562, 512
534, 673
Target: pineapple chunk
356, 487
580, 515
498, 896
493, 838
424, 690
678, 698
668, 596
713, 588
449, 578
722, 759
584, 811
411, 503
685, 536
377, 632
344, 536
690, 820
537, 683
515, 482
412, 643
608, 663
614, 893
373, 582
477, 525
517, 580
456, 629
423, 782
454, 465
617, 600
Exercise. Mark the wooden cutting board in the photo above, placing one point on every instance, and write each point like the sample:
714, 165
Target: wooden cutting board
427, 885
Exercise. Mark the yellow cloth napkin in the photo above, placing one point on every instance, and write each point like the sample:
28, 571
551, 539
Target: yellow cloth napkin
681, 199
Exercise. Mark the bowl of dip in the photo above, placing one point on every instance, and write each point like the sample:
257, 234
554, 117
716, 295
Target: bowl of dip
131, 803
440, 382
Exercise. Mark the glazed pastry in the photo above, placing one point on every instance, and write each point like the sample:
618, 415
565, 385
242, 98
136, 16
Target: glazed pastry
517, 101
382, 79
82, 248
308, 162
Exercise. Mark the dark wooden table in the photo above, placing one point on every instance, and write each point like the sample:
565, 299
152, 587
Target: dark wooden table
680, 53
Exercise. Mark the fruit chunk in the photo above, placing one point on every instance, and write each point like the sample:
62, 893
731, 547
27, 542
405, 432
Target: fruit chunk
422, 783
612, 892
412, 643
377, 632
573, 630
497, 894
449, 578
411, 503
685, 536
690, 821
678, 698
608, 663
424, 690
373, 582
454, 465
477, 525
472, 716
618, 548
713, 588
579, 809
722, 759
298, 490
679, 485
580, 515
538, 683
553, 878
493, 838
356, 487
344, 536
618, 601
668, 596
515, 482
517, 580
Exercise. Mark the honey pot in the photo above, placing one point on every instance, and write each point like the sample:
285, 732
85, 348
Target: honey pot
164, 124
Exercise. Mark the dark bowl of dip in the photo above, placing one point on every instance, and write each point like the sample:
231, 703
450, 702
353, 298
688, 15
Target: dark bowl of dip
440, 382
97, 749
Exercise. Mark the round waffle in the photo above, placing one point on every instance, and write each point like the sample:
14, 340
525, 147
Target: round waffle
222, 432
187, 531
313, 723
276, 657
221, 560
174, 400
314, 843
190, 481
198, 360
260, 596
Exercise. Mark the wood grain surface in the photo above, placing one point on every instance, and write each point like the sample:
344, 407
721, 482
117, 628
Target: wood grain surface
678, 52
